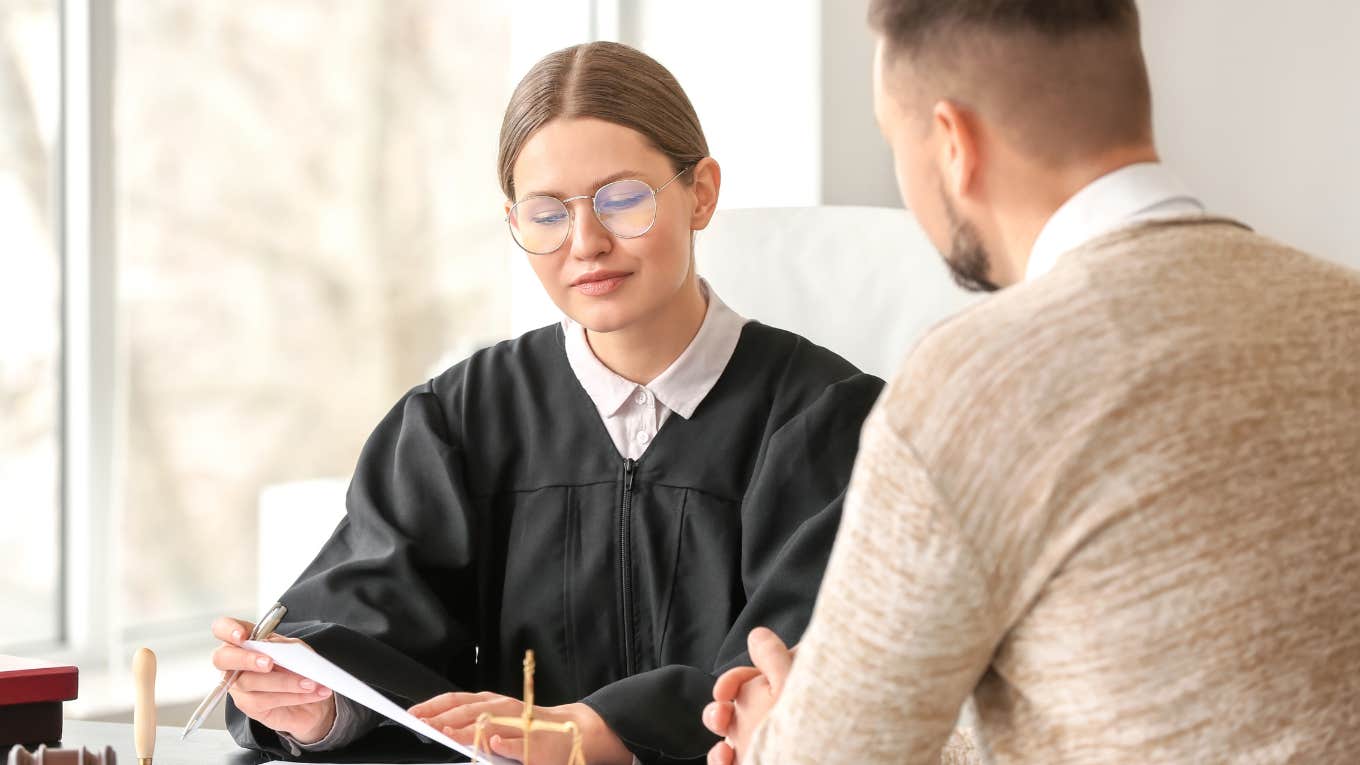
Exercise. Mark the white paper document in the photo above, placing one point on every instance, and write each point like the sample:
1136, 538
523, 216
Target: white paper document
311, 665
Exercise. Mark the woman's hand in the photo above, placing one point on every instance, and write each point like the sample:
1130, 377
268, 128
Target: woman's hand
275, 697
455, 714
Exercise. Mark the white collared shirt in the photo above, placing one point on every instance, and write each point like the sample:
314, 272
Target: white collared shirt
633, 413
1128, 196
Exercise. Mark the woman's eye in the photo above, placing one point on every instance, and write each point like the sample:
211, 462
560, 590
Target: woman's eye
623, 203
548, 220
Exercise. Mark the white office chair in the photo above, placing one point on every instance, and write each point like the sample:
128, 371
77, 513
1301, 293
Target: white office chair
862, 281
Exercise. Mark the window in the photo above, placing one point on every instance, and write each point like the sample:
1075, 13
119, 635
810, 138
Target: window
30, 324
234, 234
308, 225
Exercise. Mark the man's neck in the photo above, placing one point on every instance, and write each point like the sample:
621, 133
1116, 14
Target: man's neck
1057, 187
643, 350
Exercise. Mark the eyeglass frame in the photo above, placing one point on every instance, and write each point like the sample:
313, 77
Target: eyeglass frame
571, 216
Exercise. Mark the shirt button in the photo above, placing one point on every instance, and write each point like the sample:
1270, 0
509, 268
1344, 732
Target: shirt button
643, 397
643, 438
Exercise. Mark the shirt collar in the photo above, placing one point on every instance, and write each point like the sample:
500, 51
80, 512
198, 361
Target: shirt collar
684, 384
1131, 194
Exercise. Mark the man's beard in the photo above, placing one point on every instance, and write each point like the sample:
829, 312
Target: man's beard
967, 259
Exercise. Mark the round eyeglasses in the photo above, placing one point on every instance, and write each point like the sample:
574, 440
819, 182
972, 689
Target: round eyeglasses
626, 208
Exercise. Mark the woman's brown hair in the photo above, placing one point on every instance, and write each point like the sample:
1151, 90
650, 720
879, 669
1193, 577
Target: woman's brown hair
607, 81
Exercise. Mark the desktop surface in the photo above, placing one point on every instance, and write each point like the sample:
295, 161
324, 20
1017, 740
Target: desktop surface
216, 747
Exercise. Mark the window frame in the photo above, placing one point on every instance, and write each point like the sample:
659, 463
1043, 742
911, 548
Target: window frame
86, 630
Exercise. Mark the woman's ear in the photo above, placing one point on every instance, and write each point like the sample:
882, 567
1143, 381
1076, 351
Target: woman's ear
706, 182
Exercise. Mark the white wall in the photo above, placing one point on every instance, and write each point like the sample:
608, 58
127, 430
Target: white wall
1258, 109
751, 69
783, 90
539, 27
857, 167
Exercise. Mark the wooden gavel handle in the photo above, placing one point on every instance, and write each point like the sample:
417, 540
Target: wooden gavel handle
144, 713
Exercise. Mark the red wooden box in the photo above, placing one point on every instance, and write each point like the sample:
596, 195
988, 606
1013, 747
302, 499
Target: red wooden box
31, 693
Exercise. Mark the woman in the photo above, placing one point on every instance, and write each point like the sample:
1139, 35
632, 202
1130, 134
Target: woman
627, 493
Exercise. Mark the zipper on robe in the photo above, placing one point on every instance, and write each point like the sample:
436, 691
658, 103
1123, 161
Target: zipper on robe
625, 567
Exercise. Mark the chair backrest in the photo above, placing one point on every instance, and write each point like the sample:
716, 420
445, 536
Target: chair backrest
862, 281
295, 519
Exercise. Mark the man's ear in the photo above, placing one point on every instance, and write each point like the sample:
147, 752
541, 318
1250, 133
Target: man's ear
960, 149
707, 180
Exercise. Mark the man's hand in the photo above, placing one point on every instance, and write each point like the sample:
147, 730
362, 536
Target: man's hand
455, 715
743, 696
273, 696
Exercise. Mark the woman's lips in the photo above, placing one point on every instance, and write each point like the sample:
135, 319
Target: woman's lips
595, 285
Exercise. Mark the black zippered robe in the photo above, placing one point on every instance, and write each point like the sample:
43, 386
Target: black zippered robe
490, 513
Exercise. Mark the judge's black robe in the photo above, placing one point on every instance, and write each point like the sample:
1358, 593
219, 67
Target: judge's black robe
490, 513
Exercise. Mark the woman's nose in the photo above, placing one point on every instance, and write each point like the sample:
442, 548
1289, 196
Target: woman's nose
589, 239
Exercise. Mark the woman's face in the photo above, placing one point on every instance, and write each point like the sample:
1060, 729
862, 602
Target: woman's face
604, 282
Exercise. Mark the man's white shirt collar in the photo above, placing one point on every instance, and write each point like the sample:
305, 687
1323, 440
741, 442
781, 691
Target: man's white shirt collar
1128, 196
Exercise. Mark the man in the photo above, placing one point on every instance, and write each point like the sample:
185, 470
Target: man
1118, 504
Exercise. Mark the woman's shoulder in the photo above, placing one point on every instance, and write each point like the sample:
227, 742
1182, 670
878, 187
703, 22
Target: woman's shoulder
796, 378
794, 359
528, 358
523, 375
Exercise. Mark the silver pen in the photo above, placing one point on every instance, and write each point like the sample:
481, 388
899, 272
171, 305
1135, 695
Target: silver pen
263, 629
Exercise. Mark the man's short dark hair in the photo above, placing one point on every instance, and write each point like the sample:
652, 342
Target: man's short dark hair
908, 24
1064, 78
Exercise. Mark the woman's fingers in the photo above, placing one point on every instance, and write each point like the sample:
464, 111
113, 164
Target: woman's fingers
230, 658
510, 743
276, 697
259, 703
446, 701
460, 723
509, 747
259, 672
230, 630
278, 681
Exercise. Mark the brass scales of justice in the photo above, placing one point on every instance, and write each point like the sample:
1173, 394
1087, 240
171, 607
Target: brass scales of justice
527, 723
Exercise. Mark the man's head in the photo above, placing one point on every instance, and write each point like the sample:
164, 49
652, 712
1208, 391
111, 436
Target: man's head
997, 111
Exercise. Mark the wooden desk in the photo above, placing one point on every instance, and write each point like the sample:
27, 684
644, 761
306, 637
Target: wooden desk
216, 747
206, 747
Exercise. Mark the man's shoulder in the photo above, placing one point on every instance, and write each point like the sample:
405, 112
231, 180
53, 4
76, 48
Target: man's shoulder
1120, 302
